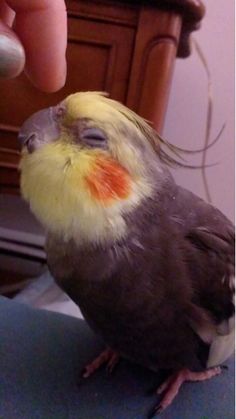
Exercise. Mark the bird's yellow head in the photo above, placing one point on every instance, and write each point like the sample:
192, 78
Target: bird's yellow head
83, 167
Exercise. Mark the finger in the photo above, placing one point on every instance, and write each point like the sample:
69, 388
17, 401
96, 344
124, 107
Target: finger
12, 55
42, 27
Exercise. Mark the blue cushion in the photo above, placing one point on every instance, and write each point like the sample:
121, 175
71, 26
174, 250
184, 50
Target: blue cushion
42, 354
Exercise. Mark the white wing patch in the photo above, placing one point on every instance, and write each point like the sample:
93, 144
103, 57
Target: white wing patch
223, 344
221, 349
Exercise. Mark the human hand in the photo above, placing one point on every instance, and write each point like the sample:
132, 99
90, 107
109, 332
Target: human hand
37, 42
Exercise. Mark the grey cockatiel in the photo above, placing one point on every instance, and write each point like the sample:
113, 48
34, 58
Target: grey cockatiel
149, 263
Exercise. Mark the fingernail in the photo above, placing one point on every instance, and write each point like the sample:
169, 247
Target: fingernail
12, 56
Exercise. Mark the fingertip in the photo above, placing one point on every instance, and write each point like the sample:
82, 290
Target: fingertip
47, 81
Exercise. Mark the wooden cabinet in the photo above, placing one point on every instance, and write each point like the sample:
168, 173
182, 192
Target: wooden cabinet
125, 48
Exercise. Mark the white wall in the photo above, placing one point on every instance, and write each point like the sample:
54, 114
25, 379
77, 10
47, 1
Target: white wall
186, 116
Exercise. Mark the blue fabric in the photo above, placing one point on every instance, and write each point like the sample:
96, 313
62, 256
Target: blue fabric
42, 354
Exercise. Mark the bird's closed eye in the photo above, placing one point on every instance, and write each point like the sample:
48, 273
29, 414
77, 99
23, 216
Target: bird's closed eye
94, 137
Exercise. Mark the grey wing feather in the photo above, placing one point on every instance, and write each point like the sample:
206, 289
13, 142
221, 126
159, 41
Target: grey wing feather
219, 299
210, 257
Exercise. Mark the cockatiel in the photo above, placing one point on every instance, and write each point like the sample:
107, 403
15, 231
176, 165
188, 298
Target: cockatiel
149, 263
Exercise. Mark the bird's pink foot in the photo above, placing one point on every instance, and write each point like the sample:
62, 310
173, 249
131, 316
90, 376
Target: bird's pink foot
171, 386
108, 357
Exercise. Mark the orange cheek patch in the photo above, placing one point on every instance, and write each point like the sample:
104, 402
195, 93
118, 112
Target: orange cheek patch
108, 180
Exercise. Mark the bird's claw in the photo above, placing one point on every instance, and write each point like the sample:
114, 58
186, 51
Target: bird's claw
108, 356
155, 411
170, 387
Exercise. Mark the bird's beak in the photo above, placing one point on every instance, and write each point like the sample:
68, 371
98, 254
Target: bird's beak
40, 129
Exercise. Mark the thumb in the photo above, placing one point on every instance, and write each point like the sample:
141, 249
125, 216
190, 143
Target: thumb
12, 54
